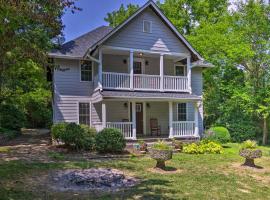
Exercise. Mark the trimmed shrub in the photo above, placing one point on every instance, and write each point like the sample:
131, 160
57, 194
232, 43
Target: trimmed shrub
8, 134
202, 147
218, 134
242, 131
72, 134
110, 140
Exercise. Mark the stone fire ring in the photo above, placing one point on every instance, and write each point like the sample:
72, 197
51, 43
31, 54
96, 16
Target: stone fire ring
96, 179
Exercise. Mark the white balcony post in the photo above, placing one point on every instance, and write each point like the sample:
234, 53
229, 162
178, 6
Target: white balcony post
131, 68
196, 113
189, 74
100, 69
133, 104
144, 118
103, 113
161, 70
171, 119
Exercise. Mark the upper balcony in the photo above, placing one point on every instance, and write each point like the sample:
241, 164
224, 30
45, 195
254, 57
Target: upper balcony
138, 70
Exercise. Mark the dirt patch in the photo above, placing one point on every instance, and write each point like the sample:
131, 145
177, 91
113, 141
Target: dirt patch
167, 170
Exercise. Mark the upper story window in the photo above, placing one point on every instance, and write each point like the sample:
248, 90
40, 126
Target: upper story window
147, 26
86, 71
180, 70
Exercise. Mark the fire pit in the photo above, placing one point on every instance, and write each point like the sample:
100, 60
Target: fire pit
90, 180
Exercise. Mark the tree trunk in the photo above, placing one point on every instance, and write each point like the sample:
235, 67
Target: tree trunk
265, 131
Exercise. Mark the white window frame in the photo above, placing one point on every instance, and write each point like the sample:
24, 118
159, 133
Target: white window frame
136, 59
180, 65
178, 110
78, 111
91, 70
150, 26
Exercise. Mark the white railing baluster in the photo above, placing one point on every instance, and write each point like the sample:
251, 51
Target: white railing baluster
183, 128
124, 127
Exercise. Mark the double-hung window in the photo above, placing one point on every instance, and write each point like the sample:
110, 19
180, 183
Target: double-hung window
86, 71
182, 112
180, 70
84, 113
147, 26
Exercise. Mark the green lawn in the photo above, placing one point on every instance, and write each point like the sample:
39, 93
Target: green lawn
199, 177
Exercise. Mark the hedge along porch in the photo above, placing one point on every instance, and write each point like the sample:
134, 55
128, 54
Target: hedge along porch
139, 118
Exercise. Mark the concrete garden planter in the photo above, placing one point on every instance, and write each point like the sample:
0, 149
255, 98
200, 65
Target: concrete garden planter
250, 155
160, 156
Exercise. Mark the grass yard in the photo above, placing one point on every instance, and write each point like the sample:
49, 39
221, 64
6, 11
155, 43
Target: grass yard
198, 177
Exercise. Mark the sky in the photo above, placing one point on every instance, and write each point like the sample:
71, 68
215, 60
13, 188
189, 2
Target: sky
91, 16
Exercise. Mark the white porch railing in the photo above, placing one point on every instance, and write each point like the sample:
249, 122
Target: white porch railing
146, 82
183, 128
114, 80
125, 128
175, 83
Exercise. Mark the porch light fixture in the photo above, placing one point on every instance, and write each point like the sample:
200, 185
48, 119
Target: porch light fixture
141, 54
125, 61
125, 105
146, 62
148, 105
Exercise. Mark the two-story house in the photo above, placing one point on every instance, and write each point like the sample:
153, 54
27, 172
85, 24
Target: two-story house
142, 77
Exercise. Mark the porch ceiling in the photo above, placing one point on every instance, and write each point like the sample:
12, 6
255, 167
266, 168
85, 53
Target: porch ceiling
128, 95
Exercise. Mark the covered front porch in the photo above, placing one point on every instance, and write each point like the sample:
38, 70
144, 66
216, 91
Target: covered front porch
137, 118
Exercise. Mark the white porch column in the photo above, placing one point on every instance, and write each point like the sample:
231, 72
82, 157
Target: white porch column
103, 113
131, 68
133, 105
189, 74
144, 118
100, 69
196, 119
170, 119
161, 70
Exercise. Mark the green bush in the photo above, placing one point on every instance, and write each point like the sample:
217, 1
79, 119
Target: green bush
12, 117
72, 134
242, 131
202, 147
161, 145
218, 134
110, 140
38, 109
249, 144
9, 134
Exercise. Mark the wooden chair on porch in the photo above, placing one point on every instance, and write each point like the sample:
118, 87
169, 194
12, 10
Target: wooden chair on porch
154, 127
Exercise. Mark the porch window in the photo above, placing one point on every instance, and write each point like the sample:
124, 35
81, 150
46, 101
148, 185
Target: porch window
181, 111
180, 70
84, 113
86, 71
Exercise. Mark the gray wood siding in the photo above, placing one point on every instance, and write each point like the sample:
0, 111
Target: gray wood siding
66, 107
68, 82
197, 81
116, 111
161, 39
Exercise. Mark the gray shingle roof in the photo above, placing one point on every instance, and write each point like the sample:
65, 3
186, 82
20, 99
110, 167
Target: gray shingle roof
79, 46
134, 94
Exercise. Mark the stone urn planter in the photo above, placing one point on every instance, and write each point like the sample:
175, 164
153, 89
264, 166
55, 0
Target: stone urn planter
250, 155
160, 156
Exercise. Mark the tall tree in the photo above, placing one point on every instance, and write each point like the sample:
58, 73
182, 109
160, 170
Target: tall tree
27, 30
117, 17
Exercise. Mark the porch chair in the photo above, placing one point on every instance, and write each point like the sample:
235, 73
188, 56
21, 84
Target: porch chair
154, 127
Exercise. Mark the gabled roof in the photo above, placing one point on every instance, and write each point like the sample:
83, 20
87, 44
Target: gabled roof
78, 47
89, 42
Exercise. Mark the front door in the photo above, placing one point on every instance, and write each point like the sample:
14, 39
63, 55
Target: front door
139, 118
